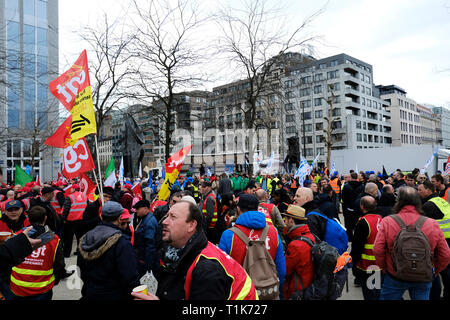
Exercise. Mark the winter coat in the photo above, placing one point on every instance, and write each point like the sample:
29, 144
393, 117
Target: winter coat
91, 215
146, 244
316, 224
256, 220
326, 205
430, 209
350, 192
13, 252
209, 279
299, 262
224, 186
108, 266
53, 219
384, 242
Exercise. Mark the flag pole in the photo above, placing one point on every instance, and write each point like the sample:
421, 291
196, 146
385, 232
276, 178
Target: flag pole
99, 172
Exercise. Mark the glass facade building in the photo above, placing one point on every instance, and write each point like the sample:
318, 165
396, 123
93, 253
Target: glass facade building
29, 50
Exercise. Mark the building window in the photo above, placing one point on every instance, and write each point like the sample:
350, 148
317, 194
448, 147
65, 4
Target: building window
318, 89
319, 126
291, 129
318, 77
290, 118
359, 137
317, 102
333, 74
318, 114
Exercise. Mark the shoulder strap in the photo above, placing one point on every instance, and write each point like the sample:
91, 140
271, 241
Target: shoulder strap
398, 220
305, 239
420, 222
240, 234
264, 233
318, 214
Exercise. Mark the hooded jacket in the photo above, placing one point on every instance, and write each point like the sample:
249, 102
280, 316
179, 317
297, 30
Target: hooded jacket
299, 264
108, 265
256, 220
326, 205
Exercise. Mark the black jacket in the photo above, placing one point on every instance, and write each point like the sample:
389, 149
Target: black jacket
316, 224
430, 209
53, 220
209, 280
108, 264
91, 215
356, 204
386, 204
326, 205
13, 252
350, 192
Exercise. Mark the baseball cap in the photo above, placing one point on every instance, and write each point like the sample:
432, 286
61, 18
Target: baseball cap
125, 215
112, 209
128, 186
248, 201
13, 204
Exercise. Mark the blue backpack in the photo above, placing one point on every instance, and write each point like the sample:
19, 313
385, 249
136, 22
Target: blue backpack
335, 233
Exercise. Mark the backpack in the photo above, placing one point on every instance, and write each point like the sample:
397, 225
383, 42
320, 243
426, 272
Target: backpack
260, 266
335, 233
326, 285
412, 258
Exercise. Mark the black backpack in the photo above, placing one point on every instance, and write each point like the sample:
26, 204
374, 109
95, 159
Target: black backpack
326, 284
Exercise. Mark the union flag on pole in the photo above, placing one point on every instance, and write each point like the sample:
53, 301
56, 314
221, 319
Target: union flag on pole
173, 167
86, 185
77, 159
447, 166
73, 90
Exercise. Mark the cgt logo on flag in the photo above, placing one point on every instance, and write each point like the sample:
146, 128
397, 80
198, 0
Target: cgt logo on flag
73, 90
77, 159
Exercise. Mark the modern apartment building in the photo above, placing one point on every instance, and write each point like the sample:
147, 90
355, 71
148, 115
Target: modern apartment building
29, 61
430, 124
405, 118
360, 118
444, 115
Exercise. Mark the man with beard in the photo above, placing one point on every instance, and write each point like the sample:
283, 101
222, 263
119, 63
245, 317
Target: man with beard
193, 268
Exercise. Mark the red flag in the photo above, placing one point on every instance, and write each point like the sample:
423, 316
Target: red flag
447, 166
175, 161
137, 191
61, 138
38, 182
86, 185
73, 90
77, 159
67, 190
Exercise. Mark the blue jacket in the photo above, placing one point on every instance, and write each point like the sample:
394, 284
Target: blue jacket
255, 220
145, 244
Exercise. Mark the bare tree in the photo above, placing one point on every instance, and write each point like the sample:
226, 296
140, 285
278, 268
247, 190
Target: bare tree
254, 40
109, 65
166, 59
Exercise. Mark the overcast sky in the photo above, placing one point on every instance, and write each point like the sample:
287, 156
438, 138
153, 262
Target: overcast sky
406, 41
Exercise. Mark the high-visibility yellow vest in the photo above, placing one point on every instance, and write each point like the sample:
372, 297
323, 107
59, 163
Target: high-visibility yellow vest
444, 223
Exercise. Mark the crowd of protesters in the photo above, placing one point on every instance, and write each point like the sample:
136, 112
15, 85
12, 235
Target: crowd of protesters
187, 239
